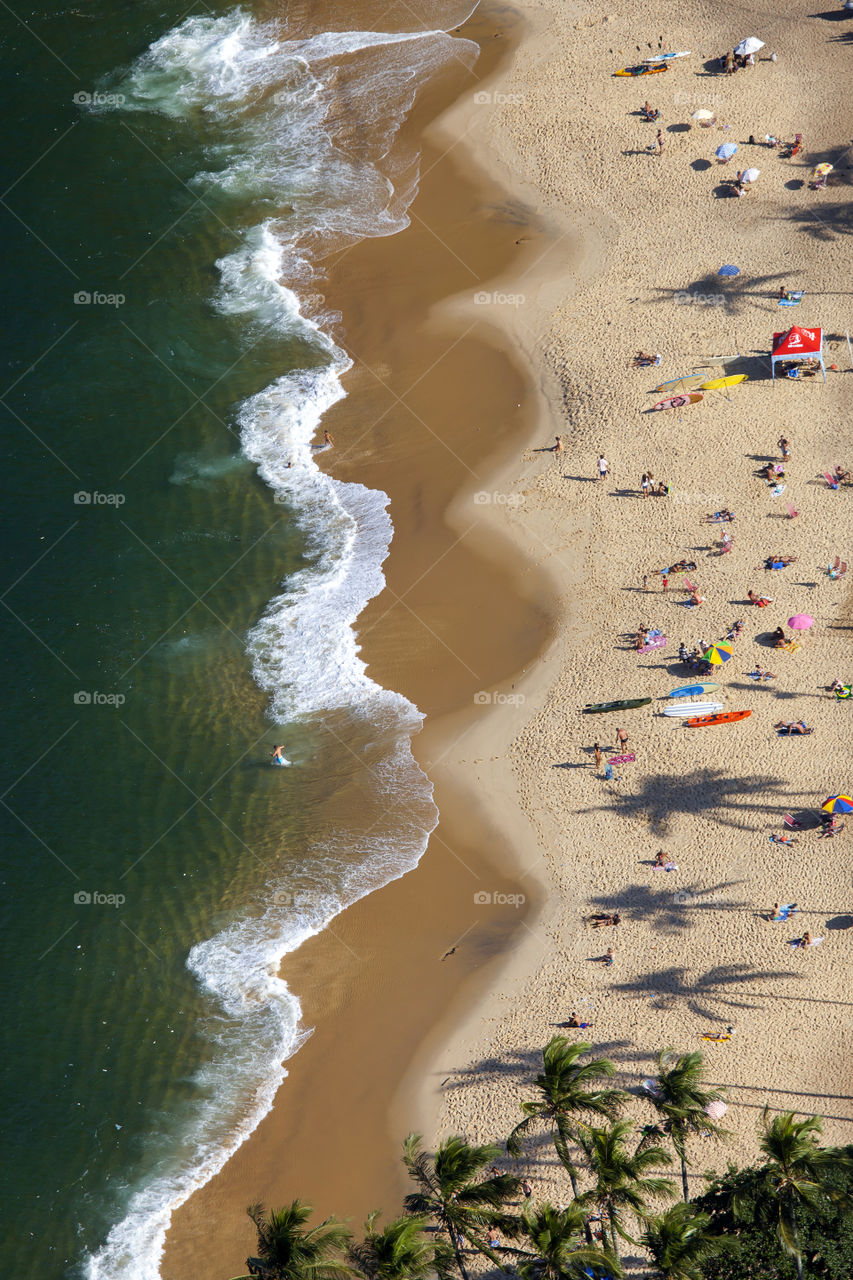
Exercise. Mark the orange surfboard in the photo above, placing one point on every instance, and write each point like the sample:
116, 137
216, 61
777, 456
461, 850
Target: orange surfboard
723, 717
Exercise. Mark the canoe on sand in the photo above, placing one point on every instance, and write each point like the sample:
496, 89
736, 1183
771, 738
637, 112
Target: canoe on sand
725, 717
624, 704
691, 690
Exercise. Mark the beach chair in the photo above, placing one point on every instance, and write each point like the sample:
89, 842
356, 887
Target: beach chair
832, 569
790, 821
843, 569
831, 480
792, 512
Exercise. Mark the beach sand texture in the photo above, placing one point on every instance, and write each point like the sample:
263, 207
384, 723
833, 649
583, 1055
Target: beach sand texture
693, 953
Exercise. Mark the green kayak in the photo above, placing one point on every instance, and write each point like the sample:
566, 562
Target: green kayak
624, 704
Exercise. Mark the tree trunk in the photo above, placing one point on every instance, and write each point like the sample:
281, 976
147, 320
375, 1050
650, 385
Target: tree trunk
797, 1244
684, 1185
454, 1240
614, 1236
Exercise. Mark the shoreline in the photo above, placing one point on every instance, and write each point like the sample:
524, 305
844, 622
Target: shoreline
333, 972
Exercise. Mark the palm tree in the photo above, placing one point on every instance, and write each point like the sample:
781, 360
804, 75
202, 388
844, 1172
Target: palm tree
398, 1251
287, 1251
796, 1172
622, 1180
680, 1243
566, 1096
555, 1236
681, 1097
453, 1192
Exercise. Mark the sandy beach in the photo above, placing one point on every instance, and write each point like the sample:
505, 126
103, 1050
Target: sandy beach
570, 247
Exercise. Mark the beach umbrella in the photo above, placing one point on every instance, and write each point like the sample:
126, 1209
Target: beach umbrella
750, 175
715, 1110
719, 653
726, 151
820, 169
838, 804
729, 270
704, 118
750, 45
801, 621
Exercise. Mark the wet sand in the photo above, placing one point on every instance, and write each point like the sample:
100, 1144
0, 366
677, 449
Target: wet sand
435, 407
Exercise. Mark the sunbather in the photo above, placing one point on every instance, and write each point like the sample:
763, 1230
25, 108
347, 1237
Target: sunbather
779, 562
603, 921
761, 602
783, 839
792, 726
760, 674
779, 638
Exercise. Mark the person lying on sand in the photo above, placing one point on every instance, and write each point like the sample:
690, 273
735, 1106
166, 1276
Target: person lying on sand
760, 674
792, 726
761, 602
642, 360
719, 517
779, 562
603, 921
783, 839
735, 629
832, 828
649, 112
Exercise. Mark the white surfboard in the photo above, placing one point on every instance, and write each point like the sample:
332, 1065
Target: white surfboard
693, 709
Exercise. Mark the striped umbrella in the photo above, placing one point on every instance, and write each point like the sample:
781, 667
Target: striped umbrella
726, 151
716, 1110
838, 804
719, 653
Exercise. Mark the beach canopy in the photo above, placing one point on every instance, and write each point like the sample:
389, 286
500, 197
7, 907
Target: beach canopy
729, 270
838, 804
726, 151
750, 175
703, 114
797, 344
801, 621
719, 653
749, 45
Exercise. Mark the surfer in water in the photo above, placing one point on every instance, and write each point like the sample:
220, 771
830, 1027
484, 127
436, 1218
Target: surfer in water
278, 756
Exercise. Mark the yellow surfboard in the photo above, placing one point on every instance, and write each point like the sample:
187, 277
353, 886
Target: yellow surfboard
718, 384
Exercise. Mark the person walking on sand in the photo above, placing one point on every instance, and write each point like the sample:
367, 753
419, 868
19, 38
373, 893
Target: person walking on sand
557, 446
597, 749
645, 582
328, 441
785, 448
659, 142
621, 739
602, 467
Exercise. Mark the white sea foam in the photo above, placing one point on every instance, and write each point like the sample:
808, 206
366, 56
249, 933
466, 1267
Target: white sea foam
282, 133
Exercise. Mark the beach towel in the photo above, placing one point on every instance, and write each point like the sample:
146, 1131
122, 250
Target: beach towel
787, 909
815, 942
667, 866
778, 490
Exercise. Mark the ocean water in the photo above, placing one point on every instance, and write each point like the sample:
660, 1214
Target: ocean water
183, 585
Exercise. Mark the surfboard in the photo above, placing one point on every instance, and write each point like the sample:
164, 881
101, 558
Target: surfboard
678, 402
624, 704
665, 57
676, 382
724, 717
718, 384
656, 642
691, 690
640, 71
694, 709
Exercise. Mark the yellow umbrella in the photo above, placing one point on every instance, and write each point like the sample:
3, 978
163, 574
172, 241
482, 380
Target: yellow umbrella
820, 169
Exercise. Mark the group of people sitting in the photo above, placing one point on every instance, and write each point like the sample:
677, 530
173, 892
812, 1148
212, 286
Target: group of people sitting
644, 635
650, 113
780, 640
733, 62
694, 659
642, 360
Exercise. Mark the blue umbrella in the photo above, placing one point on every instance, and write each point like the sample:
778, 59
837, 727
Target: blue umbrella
729, 270
726, 151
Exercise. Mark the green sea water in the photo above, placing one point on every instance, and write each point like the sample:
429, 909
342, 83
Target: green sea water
146, 673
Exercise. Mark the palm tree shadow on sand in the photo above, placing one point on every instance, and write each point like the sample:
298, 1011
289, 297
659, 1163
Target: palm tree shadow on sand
728, 799
726, 985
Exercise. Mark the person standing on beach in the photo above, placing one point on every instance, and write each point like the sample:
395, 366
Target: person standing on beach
597, 749
621, 739
785, 447
659, 141
645, 582
328, 441
664, 583
644, 484
557, 447
602, 467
